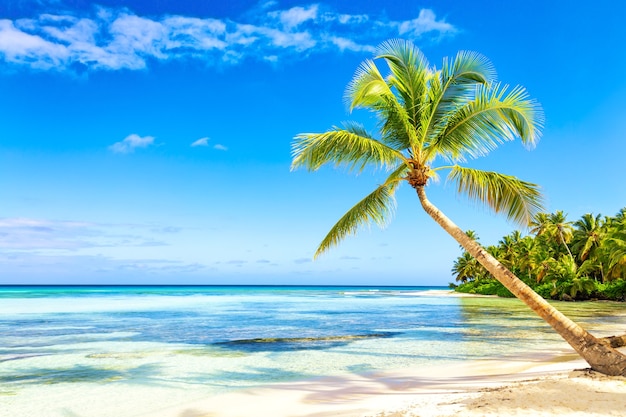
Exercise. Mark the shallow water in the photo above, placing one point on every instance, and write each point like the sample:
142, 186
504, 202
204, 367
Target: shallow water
217, 339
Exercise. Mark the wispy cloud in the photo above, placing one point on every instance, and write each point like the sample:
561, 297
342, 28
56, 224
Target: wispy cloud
204, 142
200, 142
295, 16
424, 23
27, 267
131, 142
25, 234
117, 38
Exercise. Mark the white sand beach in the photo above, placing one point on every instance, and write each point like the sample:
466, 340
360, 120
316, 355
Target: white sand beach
80, 374
477, 388
481, 388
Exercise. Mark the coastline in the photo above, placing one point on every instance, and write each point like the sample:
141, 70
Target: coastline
89, 366
558, 387
546, 387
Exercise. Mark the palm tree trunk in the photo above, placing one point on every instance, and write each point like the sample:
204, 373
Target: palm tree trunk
599, 356
564, 243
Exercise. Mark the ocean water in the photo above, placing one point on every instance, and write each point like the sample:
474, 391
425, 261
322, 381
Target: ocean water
212, 340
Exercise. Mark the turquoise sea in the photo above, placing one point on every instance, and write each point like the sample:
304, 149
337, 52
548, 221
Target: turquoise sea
214, 339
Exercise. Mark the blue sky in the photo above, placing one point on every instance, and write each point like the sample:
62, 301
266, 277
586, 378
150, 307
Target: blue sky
149, 142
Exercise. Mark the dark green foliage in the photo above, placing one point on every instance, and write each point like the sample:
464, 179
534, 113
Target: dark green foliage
560, 260
613, 290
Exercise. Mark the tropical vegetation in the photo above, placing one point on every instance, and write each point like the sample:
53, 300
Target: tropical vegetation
431, 121
559, 259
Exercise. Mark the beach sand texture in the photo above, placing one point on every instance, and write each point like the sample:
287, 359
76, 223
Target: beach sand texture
477, 389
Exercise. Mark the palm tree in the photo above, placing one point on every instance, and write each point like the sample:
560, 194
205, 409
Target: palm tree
525, 249
568, 279
464, 268
539, 224
509, 245
554, 227
616, 247
429, 116
587, 235
562, 229
587, 238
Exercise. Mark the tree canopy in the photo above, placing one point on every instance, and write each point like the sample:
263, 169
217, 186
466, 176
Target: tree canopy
594, 267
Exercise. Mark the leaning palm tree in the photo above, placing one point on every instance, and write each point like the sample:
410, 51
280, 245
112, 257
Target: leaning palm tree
432, 121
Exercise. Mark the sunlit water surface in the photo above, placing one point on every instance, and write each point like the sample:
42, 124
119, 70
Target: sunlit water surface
225, 338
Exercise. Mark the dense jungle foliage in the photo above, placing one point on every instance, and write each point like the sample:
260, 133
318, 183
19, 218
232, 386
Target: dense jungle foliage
559, 259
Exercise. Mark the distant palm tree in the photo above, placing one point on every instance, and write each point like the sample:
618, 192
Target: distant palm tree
539, 224
429, 116
588, 235
553, 226
525, 250
509, 245
616, 246
464, 268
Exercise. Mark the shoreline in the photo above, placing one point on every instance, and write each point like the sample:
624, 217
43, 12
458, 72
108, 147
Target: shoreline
557, 385
82, 371
561, 386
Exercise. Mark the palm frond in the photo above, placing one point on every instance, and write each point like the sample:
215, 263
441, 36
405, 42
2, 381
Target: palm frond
455, 85
410, 69
518, 200
351, 146
368, 89
468, 67
494, 116
378, 207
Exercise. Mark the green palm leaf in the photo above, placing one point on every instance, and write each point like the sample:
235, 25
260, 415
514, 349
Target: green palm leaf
518, 200
368, 89
351, 146
495, 115
378, 207
410, 73
454, 86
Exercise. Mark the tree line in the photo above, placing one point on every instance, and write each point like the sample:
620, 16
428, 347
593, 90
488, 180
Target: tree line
559, 259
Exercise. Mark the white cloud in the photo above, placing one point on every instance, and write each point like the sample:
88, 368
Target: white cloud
115, 38
295, 16
201, 142
220, 147
194, 33
348, 44
24, 48
131, 142
425, 22
347, 19
299, 41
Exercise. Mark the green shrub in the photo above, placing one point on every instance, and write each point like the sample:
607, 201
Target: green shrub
613, 290
545, 290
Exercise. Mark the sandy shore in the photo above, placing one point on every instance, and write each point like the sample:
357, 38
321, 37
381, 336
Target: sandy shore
531, 387
481, 388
